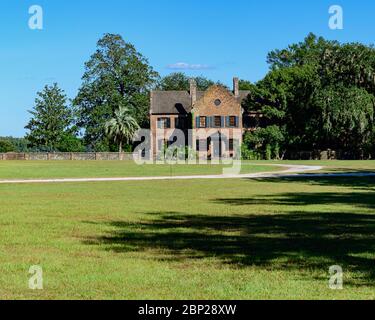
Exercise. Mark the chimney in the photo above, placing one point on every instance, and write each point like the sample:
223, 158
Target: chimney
193, 91
236, 87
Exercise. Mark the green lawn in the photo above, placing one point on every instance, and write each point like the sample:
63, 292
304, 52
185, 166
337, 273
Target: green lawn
113, 169
338, 166
198, 239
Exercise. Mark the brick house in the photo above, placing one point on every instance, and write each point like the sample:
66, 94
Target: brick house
212, 119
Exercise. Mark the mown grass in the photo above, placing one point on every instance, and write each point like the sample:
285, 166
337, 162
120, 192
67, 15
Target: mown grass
106, 169
199, 239
334, 166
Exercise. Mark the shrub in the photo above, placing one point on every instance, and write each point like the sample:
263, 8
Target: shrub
268, 152
247, 154
6, 146
70, 143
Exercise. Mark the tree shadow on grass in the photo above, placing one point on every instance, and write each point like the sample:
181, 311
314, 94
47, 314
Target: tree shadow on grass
302, 241
356, 183
356, 199
292, 238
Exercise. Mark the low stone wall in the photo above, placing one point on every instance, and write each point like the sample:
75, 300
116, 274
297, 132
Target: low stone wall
312, 155
115, 156
81, 156
326, 155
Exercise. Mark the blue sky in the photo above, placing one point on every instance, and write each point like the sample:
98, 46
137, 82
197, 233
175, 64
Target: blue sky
214, 38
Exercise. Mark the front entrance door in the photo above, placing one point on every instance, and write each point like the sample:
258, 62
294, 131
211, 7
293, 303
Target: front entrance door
214, 146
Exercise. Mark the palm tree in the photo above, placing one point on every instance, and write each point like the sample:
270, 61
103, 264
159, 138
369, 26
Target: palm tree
122, 127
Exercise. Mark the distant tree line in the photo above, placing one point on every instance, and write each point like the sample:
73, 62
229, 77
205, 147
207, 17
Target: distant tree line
11, 144
317, 95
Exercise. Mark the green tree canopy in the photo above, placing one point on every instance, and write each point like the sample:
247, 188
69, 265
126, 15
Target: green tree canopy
245, 85
6, 146
51, 120
320, 94
180, 81
71, 143
346, 117
122, 127
116, 75
19, 144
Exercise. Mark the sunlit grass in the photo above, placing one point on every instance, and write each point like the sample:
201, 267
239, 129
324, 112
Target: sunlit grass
200, 239
108, 169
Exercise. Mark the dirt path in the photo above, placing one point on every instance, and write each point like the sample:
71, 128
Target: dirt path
288, 171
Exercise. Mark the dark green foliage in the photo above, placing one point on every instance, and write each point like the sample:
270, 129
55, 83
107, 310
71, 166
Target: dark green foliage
180, 81
116, 76
122, 127
245, 85
320, 95
265, 141
346, 116
6, 146
70, 143
51, 120
18, 144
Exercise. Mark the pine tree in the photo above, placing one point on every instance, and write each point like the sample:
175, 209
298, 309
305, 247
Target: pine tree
51, 120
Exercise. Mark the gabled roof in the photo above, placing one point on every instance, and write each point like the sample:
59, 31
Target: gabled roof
171, 102
178, 102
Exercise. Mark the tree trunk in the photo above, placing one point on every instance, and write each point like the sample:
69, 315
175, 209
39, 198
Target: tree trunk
120, 151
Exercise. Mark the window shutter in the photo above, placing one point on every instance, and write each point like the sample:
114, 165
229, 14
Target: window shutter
210, 122
237, 122
168, 123
222, 124
197, 121
227, 120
